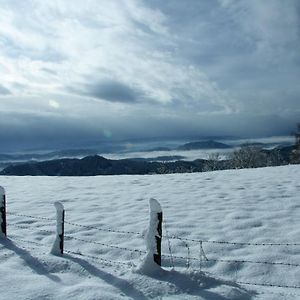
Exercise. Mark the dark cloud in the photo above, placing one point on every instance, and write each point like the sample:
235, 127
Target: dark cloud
28, 130
109, 90
189, 68
114, 91
4, 90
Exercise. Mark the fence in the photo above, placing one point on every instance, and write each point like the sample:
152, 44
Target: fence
170, 259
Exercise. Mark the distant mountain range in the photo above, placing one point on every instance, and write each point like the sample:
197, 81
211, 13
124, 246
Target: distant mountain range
75, 153
203, 145
98, 165
15, 159
48, 155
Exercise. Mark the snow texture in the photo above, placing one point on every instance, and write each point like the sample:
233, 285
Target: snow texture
248, 206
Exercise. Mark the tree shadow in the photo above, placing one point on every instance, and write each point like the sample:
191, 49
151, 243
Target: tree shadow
124, 286
198, 284
30, 261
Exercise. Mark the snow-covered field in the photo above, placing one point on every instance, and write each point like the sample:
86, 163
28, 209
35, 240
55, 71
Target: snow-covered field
254, 206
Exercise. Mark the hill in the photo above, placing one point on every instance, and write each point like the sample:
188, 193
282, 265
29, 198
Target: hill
98, 165
203, 145
246, 157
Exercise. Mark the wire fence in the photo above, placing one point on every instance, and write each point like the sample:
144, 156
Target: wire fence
176, 261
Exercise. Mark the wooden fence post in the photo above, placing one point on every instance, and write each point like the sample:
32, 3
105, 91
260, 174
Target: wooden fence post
156, 218
3, 232
58, 246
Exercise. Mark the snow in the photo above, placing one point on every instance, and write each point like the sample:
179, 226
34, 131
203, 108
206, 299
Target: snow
245, 206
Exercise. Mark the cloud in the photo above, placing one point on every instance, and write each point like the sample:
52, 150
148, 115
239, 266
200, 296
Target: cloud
4, 90
54, 104
145, 68
110, 90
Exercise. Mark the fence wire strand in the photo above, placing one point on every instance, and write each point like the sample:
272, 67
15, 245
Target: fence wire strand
170, 256
29, 216
232, 243
167, 236
28, 228
106, 245
269, 285
104, 229
97, 258
14, 238
233, 261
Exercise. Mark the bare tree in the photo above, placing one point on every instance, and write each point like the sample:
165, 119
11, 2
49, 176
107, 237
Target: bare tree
248, 157
212, 162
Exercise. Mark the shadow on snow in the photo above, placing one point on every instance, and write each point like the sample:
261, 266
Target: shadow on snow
31, 261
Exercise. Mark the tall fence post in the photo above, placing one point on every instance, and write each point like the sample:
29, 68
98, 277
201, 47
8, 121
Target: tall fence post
155, 230
3, 232
58, 246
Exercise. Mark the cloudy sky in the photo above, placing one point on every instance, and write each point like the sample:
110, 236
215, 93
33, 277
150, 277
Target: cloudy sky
80, 72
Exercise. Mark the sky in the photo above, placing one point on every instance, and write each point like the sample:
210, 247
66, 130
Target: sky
73, 73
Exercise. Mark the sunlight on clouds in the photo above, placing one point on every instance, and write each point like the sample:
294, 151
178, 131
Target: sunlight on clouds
128, 68
54, 104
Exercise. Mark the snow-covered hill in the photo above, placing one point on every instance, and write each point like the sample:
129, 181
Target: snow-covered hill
248, 209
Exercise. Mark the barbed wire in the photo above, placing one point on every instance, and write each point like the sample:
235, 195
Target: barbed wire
106, 245
167, 255
98, 258
30, 247
27, 241
269, 285
171, 255
108, 261
103, 229
165, 236
28, 228
29, 216
76, 224
234, 261
233, 243
169, 243
254, 262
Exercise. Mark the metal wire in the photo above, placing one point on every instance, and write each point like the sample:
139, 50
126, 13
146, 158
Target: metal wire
202, 254
28, 228
106, 245
103, 229
97, 258
168, 236
29, 216
269, 285
233, 243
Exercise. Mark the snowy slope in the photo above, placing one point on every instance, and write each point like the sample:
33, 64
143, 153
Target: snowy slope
245, 206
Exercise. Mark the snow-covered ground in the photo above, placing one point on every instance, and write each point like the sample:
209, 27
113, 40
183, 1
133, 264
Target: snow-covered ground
254, 206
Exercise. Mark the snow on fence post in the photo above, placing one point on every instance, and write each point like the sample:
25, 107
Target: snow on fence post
2, 213
58, 246
154, 234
